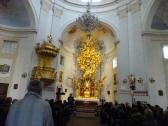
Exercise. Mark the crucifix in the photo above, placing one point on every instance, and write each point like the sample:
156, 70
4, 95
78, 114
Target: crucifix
58, 94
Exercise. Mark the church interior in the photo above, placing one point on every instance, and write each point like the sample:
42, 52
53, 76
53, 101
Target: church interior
100, 52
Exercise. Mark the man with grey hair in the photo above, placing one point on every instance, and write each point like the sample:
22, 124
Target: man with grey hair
31, 110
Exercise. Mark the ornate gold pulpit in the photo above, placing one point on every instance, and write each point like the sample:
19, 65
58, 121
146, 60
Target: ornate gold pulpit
46, 53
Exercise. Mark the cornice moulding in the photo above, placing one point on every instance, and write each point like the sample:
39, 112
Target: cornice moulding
15, 29
155, 33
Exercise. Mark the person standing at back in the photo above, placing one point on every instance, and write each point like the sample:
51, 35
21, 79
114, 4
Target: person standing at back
31, 110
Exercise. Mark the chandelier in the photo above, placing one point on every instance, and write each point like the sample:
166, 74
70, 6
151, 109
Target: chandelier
88, 22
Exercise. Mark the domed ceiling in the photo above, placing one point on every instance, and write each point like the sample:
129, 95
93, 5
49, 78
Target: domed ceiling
160, 19
14, 13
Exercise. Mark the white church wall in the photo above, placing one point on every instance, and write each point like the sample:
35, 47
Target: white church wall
123, 52
23, 65
109, 82
36, 5
5, 58
154, 65
136, 48
62, 21
131, 58
21, 61
156, 70
166, 76
44, 26
68, 68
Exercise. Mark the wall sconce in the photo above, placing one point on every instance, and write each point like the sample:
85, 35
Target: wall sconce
140, 80
152, 80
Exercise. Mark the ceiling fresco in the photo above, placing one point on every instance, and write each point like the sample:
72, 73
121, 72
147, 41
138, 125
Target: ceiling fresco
160, 19
14, 14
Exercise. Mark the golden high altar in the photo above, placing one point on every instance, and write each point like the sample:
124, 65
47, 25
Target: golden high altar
89, 59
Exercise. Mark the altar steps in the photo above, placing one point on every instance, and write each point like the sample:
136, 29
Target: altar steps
85, 115
86, 109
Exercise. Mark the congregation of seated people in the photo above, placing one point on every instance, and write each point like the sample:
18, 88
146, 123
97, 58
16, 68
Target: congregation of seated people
110, 114
61, 111
5, 104
138, 115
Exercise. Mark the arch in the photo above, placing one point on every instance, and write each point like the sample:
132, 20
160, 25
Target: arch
109, 43
32, 13
112, 27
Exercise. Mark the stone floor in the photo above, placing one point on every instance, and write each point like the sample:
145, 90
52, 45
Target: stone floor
84, 119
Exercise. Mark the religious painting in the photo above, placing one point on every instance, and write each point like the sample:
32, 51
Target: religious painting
61, 76
160, 92
5, 67
15, 86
